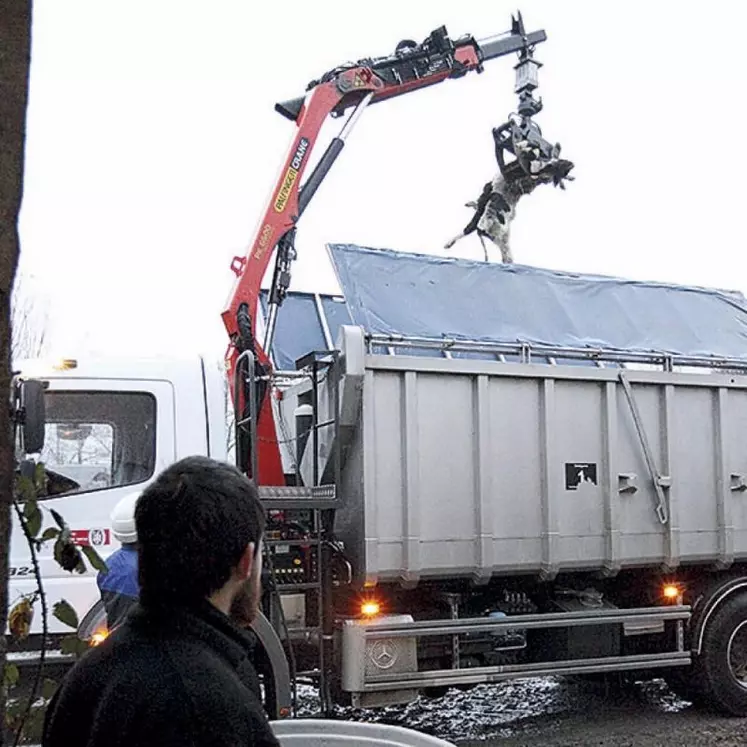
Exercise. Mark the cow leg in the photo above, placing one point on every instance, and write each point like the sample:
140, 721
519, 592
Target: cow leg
453, 241
505, 250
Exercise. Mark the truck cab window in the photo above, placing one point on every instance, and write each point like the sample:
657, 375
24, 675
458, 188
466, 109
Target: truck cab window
97, 440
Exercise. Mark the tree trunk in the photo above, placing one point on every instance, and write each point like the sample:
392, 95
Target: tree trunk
15, 52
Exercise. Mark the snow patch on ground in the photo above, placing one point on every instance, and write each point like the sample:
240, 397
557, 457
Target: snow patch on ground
488, 712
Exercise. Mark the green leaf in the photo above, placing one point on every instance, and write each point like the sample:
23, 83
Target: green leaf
33, 517
50, 533
80, 565
40, 477
20, 618
94, 559
60, 521
71, 644
57, 550
25, 489
34, 726
11, 674
67, 554
13, 710
65, 614
48, 688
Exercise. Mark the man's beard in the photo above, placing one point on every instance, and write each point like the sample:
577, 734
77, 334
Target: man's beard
245, 605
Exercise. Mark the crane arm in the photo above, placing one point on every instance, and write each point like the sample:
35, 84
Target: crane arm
411, 67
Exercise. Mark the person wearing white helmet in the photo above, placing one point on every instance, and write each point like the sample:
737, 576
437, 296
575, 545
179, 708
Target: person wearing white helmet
119, 585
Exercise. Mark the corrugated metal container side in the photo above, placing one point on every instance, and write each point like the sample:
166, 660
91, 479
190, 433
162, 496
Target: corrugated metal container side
472, 468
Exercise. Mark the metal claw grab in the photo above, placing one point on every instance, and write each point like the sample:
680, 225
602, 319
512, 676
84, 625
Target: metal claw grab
536, 160
520, 136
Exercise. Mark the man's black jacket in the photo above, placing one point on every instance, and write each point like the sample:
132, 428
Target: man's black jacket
167, 678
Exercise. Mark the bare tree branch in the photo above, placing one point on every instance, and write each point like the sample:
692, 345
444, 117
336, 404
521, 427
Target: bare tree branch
29, 317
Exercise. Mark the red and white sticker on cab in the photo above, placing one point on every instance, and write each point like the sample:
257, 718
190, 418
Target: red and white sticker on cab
91, 537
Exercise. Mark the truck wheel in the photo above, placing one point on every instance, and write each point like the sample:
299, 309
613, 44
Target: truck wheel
723, 661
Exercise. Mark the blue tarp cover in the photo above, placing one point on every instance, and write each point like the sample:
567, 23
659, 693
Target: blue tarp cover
300, 329
415, 295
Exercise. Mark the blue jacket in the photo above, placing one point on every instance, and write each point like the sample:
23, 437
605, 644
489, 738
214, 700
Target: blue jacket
119, 587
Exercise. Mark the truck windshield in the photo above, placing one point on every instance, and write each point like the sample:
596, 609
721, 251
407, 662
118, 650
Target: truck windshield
97, 440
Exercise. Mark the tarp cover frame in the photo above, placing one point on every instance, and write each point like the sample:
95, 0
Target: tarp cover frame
393, 294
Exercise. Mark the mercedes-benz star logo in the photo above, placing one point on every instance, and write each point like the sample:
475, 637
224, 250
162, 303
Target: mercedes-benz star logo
384, 654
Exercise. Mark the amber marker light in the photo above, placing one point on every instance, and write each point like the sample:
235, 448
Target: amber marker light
370, 608
99, 637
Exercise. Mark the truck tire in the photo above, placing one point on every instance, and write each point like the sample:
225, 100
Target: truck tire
721, 670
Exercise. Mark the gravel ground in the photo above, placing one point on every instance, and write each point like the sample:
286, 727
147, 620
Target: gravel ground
557, 713
648, 714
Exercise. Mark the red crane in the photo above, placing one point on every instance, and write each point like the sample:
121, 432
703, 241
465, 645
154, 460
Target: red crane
410, 68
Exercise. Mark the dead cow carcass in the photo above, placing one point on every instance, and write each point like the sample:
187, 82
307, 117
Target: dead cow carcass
495, 209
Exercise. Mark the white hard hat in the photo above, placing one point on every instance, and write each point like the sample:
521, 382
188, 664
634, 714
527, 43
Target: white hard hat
123, 519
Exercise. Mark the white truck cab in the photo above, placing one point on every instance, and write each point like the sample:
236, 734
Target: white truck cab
111, 426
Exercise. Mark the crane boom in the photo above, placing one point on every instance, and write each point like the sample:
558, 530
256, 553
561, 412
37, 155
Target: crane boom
410, 68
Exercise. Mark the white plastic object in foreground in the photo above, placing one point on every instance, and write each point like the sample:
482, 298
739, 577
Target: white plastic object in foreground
329, 733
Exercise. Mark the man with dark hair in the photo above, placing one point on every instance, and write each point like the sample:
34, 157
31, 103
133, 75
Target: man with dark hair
177, 671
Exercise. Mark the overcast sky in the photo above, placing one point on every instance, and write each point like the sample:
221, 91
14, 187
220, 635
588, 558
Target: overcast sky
152, 146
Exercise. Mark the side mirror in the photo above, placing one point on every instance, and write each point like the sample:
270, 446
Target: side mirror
34, 420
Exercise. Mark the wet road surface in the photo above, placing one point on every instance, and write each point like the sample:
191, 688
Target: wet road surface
554, 712
557, 713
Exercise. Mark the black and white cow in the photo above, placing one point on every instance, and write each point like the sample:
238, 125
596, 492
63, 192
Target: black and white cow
495, 209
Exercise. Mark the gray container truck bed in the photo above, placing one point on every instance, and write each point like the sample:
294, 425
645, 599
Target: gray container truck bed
471, 452
476, 468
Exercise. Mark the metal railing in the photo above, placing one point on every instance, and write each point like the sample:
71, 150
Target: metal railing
526, 352
384, 681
